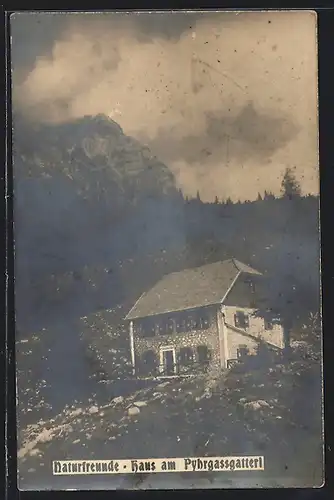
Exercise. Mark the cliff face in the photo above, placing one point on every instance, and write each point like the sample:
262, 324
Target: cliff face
93, 154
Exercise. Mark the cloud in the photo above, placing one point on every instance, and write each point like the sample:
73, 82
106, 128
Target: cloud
228, 137
183, 83
34, 34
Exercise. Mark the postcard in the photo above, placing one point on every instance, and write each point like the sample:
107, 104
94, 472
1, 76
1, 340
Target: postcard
167, 250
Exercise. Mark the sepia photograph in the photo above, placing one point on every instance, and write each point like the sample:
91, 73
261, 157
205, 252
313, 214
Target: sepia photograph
167, 250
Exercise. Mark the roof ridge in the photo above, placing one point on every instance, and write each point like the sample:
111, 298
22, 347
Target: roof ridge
135, 304
198, 267
235, 264
241, 265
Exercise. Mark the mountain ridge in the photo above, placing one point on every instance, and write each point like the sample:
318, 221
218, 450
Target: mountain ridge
94, 153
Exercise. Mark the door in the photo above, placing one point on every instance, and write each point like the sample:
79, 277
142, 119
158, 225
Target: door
168, 362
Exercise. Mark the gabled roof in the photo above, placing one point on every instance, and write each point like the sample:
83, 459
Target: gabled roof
190, 288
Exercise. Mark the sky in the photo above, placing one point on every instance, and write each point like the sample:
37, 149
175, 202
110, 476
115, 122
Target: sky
226, 100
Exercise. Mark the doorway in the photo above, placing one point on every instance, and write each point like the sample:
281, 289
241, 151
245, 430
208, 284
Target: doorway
167, 361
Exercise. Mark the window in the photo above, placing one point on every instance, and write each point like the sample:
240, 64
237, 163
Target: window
149, 362
241, 320
158, 327
138, 328
179, 326
205, 320
205, 323
170, 325
203, 354
242, 352
268, 325
196, 320
180, 323
148, 328
251, 285
231, 363
186, 356
190, 323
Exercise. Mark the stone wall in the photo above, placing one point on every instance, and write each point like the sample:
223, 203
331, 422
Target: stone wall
190, 339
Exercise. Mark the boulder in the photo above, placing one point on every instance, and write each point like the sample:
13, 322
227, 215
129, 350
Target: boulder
256, 405
163, 384
118, 400
93, 409
133, 410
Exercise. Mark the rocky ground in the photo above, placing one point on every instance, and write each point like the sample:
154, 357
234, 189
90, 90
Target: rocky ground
272, 411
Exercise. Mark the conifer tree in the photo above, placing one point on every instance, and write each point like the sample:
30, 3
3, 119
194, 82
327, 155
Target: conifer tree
290, 187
